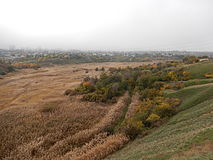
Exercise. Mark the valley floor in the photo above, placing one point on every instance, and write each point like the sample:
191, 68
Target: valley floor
38, 122
29, 86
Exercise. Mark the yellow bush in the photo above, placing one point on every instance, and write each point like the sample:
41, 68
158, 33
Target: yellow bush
167, 86
139, 124
153, 118
186, 76
173, 101
164, 110
209, 75
133, 127
172, 75
144, 105
178, 85
87, 83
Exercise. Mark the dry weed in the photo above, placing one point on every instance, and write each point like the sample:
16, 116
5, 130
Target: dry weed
111, 144
133, 106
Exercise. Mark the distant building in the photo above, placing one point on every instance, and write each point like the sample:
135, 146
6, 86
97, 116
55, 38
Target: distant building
204, 60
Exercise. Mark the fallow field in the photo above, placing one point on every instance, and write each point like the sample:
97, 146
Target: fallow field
38, 122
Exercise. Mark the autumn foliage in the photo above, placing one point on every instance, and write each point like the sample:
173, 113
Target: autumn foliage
25, 65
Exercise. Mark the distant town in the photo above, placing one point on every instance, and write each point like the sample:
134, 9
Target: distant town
13, 54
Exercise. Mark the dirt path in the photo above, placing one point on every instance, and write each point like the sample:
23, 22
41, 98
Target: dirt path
200, 85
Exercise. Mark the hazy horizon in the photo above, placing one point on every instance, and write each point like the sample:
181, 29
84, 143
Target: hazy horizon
119, 25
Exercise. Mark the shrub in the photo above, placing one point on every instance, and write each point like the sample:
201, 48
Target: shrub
85, 87
209, 75
102, 69
167, 86
173, 76
178, 85
67, 92
70, 92
145, 105
153, 118
149, 93
173, 101
190, 59
112, 69
164, 110
2, 73
133, 128
145, 81
93, 97
10, 69
186, 76
158, 85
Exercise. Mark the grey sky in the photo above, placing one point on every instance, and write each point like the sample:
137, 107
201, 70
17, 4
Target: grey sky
108, 24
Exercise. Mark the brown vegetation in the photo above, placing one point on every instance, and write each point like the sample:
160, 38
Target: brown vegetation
38, 122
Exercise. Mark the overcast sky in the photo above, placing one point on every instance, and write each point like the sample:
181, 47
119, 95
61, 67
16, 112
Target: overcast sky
107, 24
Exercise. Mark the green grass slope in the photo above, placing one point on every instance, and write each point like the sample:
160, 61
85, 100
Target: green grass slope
197, 82
200, 69
193, 95
186, 136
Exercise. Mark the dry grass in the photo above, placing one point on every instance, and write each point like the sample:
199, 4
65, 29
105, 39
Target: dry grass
85, 136
38, 122
78, 151
133, 106
28, 86
110, 145
195, 150
37, 131
65, 132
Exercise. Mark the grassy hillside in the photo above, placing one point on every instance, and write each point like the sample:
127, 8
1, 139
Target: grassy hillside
193, 95
187, 135
198, 70
197, 82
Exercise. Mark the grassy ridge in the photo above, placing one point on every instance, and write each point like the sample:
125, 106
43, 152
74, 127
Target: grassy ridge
197, 82
198, 70
182, 135
193, 95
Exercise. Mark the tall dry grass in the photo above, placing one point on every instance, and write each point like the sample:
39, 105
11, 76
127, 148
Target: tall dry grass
135, 100
31, 130
61, 130
110, 145
85, 136
37, 131
78, 151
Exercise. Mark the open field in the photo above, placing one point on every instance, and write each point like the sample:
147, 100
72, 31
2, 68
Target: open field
29, 86
38, 122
